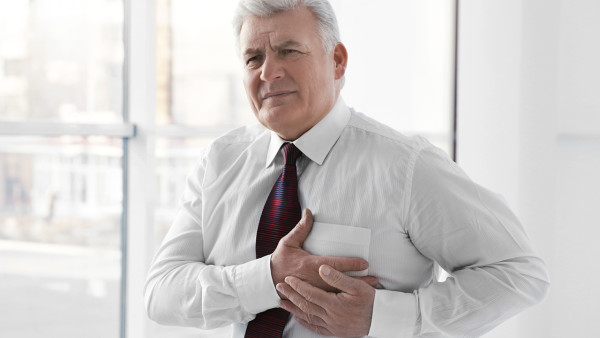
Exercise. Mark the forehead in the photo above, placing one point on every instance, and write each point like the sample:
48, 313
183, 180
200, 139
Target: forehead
298, 25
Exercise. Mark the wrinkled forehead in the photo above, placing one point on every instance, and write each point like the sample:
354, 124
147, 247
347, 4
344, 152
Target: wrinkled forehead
297, 25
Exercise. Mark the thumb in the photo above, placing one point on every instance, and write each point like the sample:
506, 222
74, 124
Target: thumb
295, 238
339, 280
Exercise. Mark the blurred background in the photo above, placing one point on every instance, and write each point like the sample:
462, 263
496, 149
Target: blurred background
105, 104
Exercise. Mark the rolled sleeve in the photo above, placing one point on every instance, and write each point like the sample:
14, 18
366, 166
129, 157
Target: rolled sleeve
255, 286
395, 314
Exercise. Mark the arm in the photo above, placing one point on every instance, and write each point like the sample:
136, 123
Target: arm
182, 290
473, 235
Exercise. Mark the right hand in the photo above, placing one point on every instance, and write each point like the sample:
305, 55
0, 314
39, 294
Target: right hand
289, 259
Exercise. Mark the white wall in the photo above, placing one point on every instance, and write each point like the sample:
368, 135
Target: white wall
529, 128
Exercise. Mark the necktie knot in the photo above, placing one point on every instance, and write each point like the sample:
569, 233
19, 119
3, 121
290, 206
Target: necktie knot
290, 154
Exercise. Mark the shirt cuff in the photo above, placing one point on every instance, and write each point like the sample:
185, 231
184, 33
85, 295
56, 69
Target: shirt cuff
395, 314
255, 285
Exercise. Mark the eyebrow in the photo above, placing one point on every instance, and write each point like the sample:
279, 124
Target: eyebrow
287, 43
278, 46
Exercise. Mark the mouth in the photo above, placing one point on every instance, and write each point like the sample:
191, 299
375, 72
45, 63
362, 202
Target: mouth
277, 94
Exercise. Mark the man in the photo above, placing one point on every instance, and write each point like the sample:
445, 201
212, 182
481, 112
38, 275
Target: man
370, 189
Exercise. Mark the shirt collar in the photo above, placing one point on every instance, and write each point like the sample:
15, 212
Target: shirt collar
317, 141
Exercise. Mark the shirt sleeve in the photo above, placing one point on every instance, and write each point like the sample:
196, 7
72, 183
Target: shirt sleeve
471, 233
182, 290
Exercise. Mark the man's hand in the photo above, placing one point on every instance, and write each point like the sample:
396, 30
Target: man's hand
344, 314
289, 259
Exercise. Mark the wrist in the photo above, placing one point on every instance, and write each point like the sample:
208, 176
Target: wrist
275, 277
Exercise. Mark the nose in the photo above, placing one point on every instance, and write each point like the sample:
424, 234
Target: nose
272, 69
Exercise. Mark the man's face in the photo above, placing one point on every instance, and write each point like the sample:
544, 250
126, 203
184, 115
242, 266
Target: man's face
289, 78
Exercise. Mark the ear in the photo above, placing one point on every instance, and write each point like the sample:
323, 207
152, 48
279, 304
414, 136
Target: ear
340, 57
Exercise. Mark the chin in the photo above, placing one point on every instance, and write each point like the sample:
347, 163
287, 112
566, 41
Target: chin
277, 115
285, 129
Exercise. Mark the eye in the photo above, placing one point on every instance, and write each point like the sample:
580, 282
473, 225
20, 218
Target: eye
289, 51
254, 61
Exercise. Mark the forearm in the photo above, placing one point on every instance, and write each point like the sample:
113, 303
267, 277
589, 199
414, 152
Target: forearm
181, 289
469, 303
190, 293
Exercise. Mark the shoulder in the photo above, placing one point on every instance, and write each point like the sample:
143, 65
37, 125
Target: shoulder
241, 135
364, 130
235, 141
225, 149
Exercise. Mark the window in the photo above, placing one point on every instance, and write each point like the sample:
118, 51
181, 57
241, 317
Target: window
60, 236
61, 167
61, 61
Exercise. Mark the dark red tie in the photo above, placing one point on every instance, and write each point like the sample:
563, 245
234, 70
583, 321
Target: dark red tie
280, 214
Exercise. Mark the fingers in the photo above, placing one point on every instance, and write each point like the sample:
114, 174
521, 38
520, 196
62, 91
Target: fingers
333, 314
305, 297
303, 291
322, 330
371, 280
339, 280
343, 264
296, 237
307, 317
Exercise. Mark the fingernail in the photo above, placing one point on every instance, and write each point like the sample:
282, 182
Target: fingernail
279, 287
287, 280
364, 265
326, 270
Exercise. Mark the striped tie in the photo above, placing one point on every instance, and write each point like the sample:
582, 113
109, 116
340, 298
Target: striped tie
280, 214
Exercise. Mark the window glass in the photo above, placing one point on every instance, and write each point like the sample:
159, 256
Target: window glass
199, 74
60, 236
61, 60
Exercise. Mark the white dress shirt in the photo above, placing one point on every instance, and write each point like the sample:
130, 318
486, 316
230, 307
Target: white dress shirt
418, 207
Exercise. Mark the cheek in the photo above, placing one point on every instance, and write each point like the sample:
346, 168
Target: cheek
319, 87
251, 88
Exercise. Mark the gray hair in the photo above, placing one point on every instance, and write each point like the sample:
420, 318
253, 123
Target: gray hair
327, 22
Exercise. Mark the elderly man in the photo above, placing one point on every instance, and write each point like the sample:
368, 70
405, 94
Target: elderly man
385, 210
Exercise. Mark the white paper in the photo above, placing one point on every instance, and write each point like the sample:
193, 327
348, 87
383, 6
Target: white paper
327, 239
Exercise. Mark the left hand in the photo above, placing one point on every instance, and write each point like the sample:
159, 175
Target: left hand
344, 314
